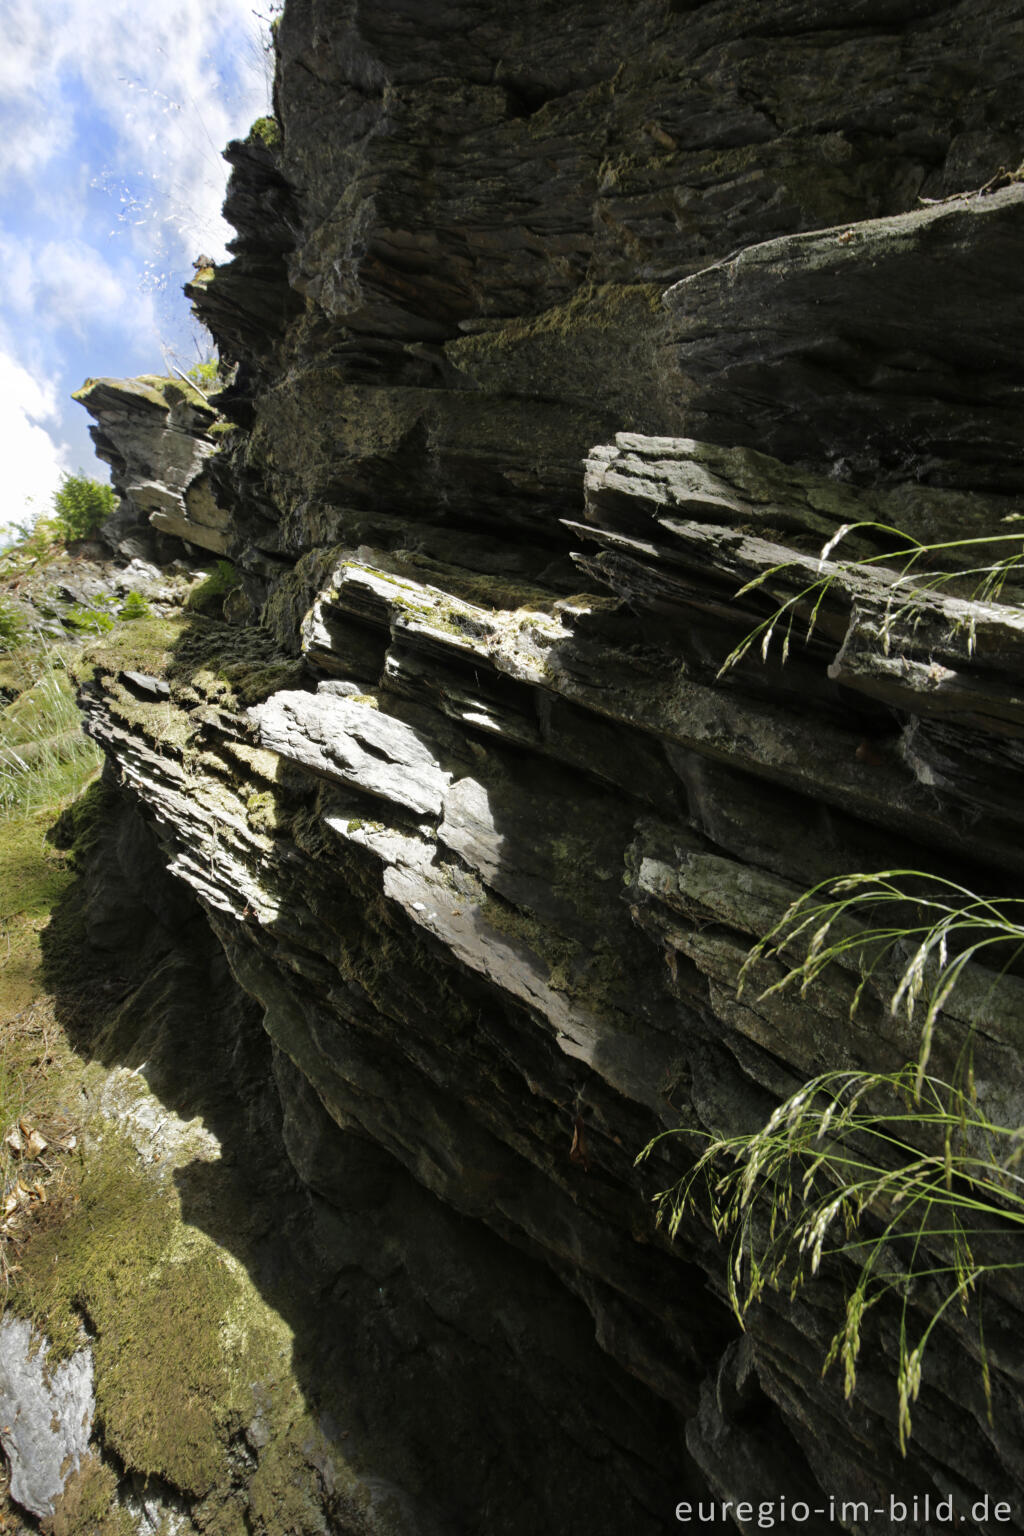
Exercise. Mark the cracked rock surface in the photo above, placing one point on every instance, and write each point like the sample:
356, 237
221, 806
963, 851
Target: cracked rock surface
567, 341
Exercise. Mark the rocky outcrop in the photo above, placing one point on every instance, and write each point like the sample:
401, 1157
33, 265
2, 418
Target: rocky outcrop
157, 435
478, 812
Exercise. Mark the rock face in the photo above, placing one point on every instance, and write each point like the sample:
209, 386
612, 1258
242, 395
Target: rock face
156, 434
47, 1416
478, 816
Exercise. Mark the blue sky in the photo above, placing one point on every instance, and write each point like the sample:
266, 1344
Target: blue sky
112, 117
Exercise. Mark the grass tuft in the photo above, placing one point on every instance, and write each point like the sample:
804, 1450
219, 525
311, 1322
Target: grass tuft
923, 929
900, 1173
44, 755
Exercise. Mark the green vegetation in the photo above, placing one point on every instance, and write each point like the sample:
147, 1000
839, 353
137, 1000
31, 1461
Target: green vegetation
44, 761
87, 1506
943, 926
205, 374
901, 1173
81, 506
38, 540
44, 757
209, 596
266, 131
900, 1177
981, 582
174, 1347
93, 618
186, 1350
13, 626
135, 607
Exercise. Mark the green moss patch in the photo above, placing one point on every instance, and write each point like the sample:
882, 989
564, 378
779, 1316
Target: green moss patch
87, 1508
265, 131
208, 597
147, 646
33, 877
177, 1334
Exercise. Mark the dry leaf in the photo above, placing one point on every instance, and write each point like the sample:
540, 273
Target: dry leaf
35, 1144
13, 1140
578, 1151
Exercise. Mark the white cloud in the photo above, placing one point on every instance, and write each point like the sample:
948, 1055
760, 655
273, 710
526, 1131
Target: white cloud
32, 460
70, 284
134, 99
172, 82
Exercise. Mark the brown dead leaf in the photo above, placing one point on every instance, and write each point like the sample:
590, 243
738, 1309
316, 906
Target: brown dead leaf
578, 1151
25, 1140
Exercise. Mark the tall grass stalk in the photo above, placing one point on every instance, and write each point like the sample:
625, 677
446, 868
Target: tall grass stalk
904, 593
919, 931
44, 755
901, 1174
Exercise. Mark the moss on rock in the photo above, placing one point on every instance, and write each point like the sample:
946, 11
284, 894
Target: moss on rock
87, 1507
265, 131
178, 1331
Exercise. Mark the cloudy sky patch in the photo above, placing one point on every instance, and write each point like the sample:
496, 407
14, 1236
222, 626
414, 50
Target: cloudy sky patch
113, 114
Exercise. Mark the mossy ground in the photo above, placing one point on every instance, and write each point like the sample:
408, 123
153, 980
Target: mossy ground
33, 876
208, 597
183, 1341
88, 1506
177, 1334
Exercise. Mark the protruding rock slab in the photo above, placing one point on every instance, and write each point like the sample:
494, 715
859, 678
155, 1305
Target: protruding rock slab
890, 344
155, 433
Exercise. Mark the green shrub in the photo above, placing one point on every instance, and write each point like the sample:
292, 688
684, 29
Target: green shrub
206, 374
93, 618
38, 540
135, 607
80, 506
265, 130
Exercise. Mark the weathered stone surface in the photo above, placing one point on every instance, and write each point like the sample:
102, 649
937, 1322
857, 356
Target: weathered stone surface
155, 435
850, 347
356, 742
47, 1413
490, 856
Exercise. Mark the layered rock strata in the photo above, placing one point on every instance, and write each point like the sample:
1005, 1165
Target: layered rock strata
479, 816
157, 435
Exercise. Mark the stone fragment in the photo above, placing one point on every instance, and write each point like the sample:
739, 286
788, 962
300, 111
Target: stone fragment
46, 1414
